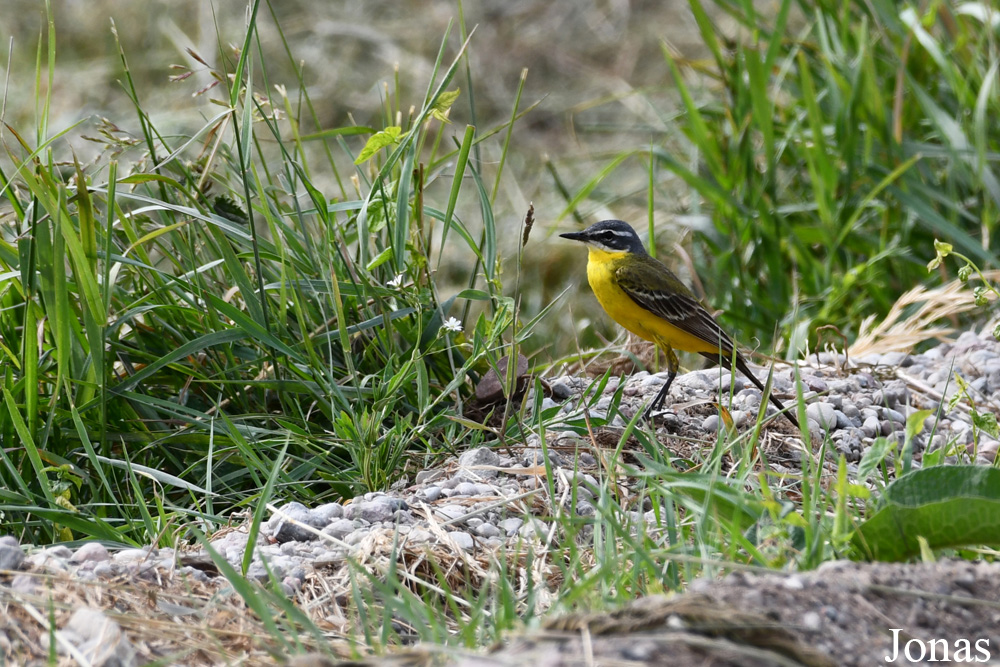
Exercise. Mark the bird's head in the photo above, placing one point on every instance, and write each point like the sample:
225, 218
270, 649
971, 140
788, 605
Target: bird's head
610, 236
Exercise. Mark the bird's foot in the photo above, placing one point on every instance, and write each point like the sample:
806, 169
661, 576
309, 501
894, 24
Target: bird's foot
655, 412
664, 418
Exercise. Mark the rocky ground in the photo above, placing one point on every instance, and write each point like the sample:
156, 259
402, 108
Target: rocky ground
844, 613
131, 606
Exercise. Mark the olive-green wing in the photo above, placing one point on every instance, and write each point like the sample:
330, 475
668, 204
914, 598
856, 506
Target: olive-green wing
651, 285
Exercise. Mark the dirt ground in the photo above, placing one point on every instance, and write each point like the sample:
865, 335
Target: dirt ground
846, 613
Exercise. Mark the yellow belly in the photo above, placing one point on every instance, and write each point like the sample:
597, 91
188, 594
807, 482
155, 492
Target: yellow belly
626, 312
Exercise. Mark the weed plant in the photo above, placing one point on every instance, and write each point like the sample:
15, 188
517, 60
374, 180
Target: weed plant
178, 331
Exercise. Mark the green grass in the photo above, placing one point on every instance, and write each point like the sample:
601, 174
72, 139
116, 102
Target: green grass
270, 306
827, 149
162, 327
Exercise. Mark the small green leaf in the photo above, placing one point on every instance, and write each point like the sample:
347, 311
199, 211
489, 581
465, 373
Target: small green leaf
873, 456
986, 421
478, 295
935, 458
379, 259
230, 210
387, 137
443, 103
915, 423
858, 491
135, 179
941, 250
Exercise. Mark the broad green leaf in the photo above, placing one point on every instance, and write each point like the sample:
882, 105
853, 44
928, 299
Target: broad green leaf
949, 506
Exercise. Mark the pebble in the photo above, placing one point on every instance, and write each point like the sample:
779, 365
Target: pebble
91, 551
466, 489
536, 457
425, 476
25, 584
11, 557
511, 526
340, 528
487, 530
481, 456
533, 528
450, 512
292, 524
987, 450
328, 512
823, 414
419, 536
896, 359
696, 381
99, 639
381, 508
727, 382
871, 427
105, 571
895, 415
462, 539
794, 583
560, 391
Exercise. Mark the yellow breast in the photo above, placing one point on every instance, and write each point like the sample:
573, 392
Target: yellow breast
601, 266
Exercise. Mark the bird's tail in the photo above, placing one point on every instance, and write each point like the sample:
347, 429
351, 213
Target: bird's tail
744, 368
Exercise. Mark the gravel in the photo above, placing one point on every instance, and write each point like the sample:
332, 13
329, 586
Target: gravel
485, 501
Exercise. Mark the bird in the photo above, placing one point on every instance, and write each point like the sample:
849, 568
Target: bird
640, 293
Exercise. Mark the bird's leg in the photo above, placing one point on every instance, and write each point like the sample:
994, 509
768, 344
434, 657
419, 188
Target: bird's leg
672, 365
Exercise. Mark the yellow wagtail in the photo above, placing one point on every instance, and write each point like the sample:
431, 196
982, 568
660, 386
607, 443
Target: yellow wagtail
645, 297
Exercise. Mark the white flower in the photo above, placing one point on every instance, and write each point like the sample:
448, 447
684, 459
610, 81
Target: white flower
396, 282
452, 324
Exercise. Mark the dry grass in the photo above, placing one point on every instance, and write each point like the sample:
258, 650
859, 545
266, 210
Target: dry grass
181, 621
916, 317
176, 620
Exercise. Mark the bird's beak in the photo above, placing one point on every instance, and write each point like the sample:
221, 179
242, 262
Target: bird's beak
574, 236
